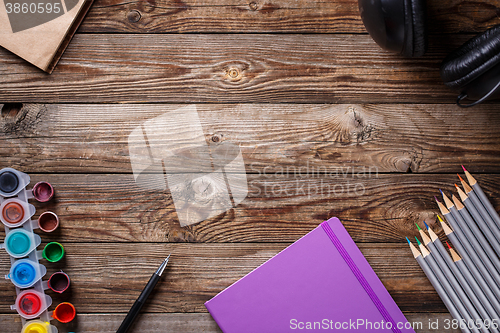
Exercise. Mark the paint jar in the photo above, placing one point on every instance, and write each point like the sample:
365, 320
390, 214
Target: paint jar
19, 243
31, 303
14, 212
53, 252
12, 182
43, 191
24, 273
64, 312
38, 326
59, 282
48, 221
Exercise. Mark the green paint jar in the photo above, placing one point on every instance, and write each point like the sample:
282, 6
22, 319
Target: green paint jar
53, 252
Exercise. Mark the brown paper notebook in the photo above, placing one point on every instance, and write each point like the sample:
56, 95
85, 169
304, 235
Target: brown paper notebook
39, 30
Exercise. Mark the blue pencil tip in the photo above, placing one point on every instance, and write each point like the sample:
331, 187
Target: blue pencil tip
408, 240
426, 225
441, 192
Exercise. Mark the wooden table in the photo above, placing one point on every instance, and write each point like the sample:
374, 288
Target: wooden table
298, 85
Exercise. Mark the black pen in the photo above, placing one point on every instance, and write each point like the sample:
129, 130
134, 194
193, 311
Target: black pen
136, 308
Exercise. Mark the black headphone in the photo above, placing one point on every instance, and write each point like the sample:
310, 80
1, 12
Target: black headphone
399, 26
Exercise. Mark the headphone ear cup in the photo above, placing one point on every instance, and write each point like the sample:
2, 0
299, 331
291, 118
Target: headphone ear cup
415, 43
471, 60
419, 27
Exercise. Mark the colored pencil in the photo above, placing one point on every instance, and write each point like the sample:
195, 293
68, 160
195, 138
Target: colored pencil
493, 235
436, 284
476, 233
481, 295
476, 267
479, 206
450, 291
475, 294
471, 238
470, 301
482, 197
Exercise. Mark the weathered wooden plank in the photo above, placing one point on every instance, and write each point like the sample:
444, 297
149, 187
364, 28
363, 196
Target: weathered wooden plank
277, 16
230, 68
188, 322
383, 208
382, 137
108, 277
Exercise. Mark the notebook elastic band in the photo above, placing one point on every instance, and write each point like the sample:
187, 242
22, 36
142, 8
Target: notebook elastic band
347, 258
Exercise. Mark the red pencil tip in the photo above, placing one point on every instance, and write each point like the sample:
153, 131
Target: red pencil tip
448, 245
460, 177
464, 168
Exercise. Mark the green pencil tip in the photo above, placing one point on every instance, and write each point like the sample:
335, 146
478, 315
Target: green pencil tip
417, 226
418, 242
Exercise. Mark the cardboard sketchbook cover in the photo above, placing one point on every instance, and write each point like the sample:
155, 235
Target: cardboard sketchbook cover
39, 30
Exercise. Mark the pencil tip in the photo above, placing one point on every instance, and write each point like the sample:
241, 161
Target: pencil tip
448, 245
439, 218
465, 170
417, 226
408, 240
418, 242
436, 198
441, 192
426, 226
460, 177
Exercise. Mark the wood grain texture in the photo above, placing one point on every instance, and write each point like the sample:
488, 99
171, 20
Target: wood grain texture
107, 278
185, 323
114, 68
276, 16
334, 138
383, 208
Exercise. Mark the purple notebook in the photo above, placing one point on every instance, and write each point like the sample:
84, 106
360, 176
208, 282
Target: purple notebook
321, 282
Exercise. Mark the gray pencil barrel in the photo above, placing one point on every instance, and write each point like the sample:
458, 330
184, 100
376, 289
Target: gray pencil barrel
487, 204
485, 286
482, 211
472, 254
476, 295
439, 289
468, 276
453, 283
493, 235
478, 248
483, 243
452, 279
451, 293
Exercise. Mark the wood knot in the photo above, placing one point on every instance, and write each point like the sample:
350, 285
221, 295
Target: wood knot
253, 5
134, 16
216, 138
233, 73
10, 110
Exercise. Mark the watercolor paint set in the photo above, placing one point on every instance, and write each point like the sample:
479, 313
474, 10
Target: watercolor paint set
21, 243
